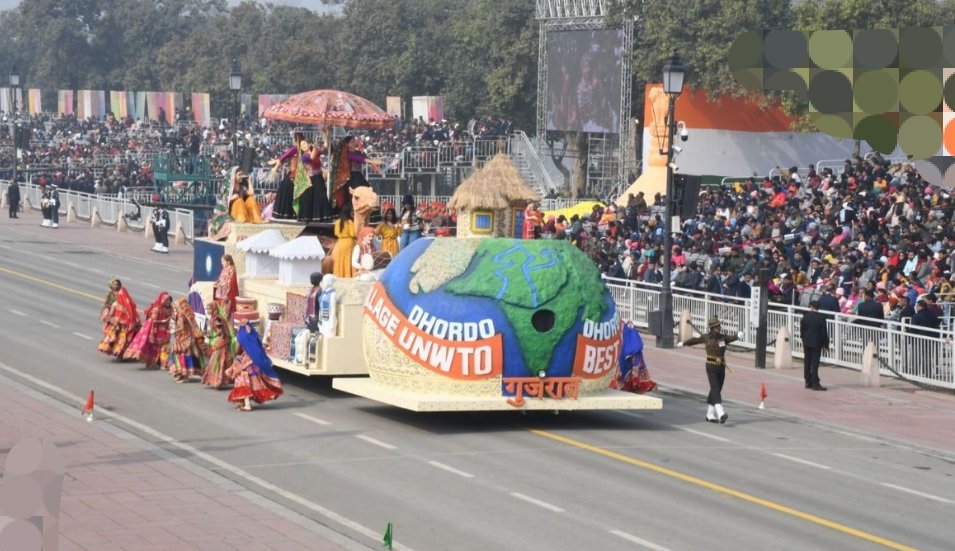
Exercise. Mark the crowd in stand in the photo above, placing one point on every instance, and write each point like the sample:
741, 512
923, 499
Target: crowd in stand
111, 155
874, 239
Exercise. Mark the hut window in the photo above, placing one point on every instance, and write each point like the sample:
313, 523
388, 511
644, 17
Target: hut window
482, 221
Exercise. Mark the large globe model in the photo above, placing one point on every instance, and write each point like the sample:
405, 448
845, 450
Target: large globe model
462, 316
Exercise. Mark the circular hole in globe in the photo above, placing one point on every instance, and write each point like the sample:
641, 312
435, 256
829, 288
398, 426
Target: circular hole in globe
543, 320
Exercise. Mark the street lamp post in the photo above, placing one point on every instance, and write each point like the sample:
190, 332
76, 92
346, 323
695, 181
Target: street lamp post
235, 84
673, 73
14, 86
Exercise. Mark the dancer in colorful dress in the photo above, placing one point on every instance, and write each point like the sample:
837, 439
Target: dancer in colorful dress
151, 344
390, 231
226, 287
120, 320
222, 347
255, 379
188, 347
345, 232
346, 172
303, 193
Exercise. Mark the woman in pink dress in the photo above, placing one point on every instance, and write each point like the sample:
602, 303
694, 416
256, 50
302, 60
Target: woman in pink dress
151, 344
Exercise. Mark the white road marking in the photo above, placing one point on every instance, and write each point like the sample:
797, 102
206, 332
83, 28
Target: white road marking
538, 502
918, 493
96, 270
375, 535
639, 541
152, 285
315, 420
50, 324
803, 461
82, 336
371, 440
859, 436
450, 469
17, 312
706, 435
48, 257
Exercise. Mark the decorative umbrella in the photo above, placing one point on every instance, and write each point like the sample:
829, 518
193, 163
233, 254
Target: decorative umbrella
330, 108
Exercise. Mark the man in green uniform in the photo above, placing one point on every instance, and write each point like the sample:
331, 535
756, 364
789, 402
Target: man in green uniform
715, 342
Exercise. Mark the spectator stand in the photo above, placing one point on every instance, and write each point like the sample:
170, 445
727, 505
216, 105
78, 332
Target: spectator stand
926, 359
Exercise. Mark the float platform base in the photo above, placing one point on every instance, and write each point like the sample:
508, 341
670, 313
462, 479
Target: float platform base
608, 399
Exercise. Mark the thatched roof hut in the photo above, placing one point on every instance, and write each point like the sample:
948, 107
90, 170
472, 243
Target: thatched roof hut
498, 185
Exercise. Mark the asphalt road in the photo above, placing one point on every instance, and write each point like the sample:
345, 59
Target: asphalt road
610, 480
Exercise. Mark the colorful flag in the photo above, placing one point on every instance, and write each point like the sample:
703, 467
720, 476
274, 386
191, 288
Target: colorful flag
393, 105
64, 103
141, 105
35, 101
200, 109
152, 106
119, 104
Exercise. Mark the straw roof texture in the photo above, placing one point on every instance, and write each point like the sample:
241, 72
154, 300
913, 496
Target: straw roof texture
495, 186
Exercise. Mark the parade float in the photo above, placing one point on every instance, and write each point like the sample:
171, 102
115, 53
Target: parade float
481, 322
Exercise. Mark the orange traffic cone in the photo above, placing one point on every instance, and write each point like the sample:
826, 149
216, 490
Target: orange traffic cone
762, 396
88, 408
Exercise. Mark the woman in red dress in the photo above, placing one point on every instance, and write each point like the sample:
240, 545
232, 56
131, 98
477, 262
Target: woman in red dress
226, 287
255, 379
188, 345
151, 344
120, 320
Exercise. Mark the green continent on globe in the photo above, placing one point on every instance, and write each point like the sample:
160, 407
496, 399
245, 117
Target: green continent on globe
527, 277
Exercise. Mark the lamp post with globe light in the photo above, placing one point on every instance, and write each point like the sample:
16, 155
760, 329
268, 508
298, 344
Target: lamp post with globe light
235, 84
673, 77
14, 87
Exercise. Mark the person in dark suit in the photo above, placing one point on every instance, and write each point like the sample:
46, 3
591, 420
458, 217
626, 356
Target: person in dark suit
925, 323
815, 336
829, 303
744, 289
871, 309
13, 199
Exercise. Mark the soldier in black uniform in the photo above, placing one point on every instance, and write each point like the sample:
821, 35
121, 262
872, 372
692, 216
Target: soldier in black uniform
715, 341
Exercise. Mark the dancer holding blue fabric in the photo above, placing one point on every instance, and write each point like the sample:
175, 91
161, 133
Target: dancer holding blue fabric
255, 379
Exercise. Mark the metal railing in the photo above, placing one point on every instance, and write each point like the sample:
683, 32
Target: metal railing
109, 208
922, 358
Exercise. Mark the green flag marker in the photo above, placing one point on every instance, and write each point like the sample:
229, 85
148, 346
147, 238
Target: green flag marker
386, 540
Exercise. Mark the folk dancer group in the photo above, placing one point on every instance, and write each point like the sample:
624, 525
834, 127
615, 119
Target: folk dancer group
170, 339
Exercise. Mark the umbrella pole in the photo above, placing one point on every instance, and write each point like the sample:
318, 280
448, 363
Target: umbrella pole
327, 139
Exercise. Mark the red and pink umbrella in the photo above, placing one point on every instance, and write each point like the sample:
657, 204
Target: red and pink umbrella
330, 108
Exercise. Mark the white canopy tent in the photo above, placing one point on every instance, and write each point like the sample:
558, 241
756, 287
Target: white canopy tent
298, 259
258, 262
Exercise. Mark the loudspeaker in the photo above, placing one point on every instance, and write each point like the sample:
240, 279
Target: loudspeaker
686, 194
246, 159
